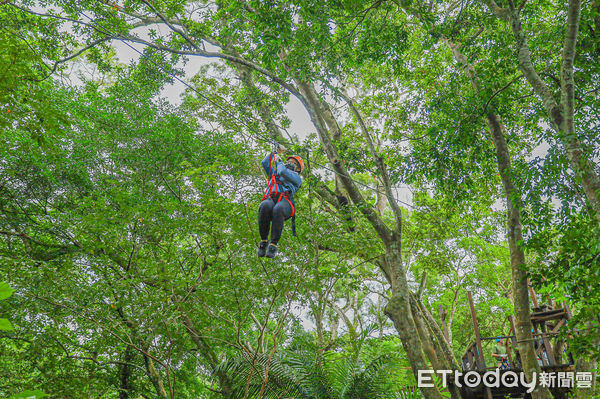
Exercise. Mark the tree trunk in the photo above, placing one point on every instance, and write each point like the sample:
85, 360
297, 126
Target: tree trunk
442, 346
398, 308
210, 356
431, 345
399, 311
125, 374
584, 365
517, 259
154, 376
151, 372
515, 237
425, 336
381, 201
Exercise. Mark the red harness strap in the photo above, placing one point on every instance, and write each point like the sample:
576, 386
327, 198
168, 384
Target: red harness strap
272, 181
272, 188
286, 196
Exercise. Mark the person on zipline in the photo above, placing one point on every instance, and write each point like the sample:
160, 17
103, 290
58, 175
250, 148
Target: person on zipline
278, 201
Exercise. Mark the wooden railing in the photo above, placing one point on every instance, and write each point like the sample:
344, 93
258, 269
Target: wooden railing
547, 322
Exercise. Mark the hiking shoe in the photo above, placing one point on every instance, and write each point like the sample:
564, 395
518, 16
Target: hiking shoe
272, 251
262, 248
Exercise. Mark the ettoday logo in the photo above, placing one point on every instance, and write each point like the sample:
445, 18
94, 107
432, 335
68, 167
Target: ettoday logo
506, 379
472, 379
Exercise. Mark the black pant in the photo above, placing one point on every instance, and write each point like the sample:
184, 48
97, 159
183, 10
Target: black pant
275, 213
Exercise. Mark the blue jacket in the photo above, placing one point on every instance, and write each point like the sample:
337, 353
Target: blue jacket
288, 179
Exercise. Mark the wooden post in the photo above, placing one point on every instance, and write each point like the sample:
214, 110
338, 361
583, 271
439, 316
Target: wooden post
444, 326
480, 359
513, 338
533, 296
550, 301
511, 362
558, 325
547, 346
568, 310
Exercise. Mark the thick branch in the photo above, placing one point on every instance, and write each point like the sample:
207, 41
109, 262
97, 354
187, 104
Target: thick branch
196, 52
318, 116
502, 13
170, 25
379, 162
514, 236
526, 66
561, 115
568, 55
340, 312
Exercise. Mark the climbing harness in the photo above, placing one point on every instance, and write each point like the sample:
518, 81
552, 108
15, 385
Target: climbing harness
273, 189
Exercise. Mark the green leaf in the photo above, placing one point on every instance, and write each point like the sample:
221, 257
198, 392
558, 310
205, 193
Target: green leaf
5, 290
5, 325
37, 394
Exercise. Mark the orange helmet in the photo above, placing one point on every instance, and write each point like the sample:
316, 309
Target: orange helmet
297, 159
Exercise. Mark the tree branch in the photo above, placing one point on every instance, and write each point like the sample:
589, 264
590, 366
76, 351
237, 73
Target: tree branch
67, 19
170, 25
379, 162
506, 86
522, 5
196, 52
502, 13
209, 54
318, 117
568, 55
340, 312
526, 66
77, 54
422, 285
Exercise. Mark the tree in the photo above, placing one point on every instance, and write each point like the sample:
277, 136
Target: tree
560, 114
142, 211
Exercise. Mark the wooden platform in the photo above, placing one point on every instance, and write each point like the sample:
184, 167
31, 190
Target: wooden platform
547, 320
